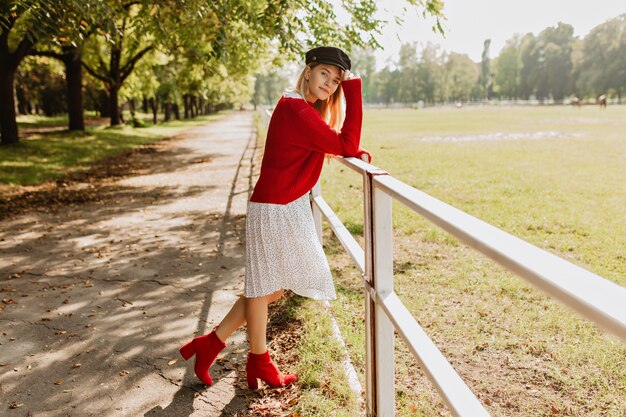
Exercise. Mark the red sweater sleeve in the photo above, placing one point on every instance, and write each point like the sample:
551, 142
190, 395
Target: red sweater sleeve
319, 137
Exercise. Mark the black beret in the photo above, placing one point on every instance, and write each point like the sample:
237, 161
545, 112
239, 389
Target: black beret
329, 55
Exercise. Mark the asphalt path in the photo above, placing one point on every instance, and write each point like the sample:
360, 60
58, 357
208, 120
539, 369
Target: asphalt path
98, 297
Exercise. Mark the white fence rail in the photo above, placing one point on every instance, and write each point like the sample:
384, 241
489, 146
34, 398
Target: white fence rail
594, 297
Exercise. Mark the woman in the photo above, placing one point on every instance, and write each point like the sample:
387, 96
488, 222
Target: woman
282, 248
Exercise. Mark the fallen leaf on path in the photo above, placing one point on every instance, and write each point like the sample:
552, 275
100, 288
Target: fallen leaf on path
76, 365
172, 362
124, 373
15, 405
239, 350
58, 382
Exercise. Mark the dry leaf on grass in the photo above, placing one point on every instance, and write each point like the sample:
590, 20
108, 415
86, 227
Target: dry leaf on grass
124, 373
58, 382
172, 362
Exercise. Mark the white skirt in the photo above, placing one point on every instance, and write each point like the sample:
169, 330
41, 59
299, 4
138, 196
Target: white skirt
284, 252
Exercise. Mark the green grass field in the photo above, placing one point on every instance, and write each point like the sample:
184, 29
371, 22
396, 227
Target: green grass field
52, 154
554, 176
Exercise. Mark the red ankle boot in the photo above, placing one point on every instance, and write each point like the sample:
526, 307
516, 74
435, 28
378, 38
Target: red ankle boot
261, 366
206, 349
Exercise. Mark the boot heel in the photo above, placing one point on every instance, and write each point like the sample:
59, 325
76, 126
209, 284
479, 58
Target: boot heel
253, 382
187, 351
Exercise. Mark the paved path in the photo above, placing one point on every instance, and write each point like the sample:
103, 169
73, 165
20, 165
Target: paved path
98, 297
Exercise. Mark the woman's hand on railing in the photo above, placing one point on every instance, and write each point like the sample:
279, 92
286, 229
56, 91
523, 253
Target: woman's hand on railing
364, 155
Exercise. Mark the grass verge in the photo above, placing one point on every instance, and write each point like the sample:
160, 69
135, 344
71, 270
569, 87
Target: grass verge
558, 187
49, 156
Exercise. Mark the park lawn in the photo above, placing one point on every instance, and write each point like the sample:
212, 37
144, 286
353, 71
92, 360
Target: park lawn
520, 352
52, 155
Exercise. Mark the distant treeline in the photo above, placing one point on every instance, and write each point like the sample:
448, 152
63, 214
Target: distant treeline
554, 66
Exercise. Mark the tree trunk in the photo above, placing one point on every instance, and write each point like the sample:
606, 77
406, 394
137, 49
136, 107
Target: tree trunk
114, 109
145, 105
74, 81
22, 102
103, 103
166, 110
8, 67
176, 111
115, 82
186, 105
8, 123
155, 108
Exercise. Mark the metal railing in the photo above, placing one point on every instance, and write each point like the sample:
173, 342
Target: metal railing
593, 296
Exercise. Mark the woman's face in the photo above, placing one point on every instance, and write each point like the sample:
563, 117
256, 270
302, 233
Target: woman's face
323, 81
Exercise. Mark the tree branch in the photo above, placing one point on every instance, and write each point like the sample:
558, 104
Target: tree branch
130, 65
49, 54
95, 74
22, 49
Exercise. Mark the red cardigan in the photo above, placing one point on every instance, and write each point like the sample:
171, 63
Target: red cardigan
297, 142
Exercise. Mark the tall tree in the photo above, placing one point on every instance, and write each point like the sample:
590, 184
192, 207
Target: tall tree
364, 61
21, 24
556, 54
429, 74
485, 70
460, 76
116, 50
603, 65
77, 20
507, 69
408, 64
530, 71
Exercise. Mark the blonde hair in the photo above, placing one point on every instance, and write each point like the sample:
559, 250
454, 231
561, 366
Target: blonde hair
330, 110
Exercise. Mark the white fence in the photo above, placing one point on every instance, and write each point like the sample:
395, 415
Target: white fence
594, 297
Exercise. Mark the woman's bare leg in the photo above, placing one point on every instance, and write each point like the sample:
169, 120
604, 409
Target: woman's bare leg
236, 317
256, 317
233, 320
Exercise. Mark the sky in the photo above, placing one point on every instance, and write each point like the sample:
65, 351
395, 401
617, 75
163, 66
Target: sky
470, 22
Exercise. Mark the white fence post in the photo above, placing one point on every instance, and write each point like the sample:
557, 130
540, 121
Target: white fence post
370, 305
383, 284
317, 214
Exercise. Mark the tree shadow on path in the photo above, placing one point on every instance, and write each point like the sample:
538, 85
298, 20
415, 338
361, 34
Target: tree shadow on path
100, 295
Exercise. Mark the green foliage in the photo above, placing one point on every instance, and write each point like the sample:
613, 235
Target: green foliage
40, 85
431, 76
507, 68
486, 82
603, 62
269, 87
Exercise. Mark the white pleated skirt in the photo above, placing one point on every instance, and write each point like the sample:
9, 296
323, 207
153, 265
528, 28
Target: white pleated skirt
284, 252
